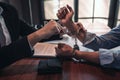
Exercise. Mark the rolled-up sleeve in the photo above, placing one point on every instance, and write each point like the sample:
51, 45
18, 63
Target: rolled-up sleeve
106, 56
106, 41
89, 38
109, 58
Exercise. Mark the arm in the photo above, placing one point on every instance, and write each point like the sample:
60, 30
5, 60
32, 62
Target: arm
68, 51
106, 41
44, 33
89, 56
20, 48
104, 57
65, 15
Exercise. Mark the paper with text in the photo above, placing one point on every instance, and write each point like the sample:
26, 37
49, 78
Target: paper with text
44, 50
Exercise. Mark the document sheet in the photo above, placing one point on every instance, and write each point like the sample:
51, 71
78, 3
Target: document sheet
45, 50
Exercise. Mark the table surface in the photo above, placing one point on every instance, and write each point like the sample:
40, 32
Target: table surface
26, 69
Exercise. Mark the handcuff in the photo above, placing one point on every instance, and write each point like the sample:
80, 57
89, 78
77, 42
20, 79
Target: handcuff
76, 47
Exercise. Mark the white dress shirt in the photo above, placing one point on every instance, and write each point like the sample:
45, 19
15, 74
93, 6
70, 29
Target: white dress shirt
5, 30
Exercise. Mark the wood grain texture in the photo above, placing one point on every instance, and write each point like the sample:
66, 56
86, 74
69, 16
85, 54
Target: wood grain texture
26, 69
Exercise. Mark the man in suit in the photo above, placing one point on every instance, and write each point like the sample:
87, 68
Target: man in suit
20, 37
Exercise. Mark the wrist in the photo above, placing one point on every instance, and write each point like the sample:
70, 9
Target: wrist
32, 39
74, 53
72, 27
81, 35
69, 23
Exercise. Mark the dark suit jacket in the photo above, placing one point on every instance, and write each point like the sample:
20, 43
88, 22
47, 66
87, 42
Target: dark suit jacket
19, 48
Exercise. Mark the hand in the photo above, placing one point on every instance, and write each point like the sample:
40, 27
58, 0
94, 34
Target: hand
50, 29
81, 33
65, 15
64, 50
44, 33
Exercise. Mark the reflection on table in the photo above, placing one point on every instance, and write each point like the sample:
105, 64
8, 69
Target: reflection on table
26, 69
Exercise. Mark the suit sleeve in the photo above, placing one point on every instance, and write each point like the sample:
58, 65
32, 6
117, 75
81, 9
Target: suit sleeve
15, 51
19, 48
25, 28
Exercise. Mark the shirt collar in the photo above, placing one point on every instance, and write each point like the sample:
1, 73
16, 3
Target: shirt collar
1, 10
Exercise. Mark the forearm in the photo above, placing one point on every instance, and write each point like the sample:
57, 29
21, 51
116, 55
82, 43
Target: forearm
71, 27
35, 37
90, 56
44, 33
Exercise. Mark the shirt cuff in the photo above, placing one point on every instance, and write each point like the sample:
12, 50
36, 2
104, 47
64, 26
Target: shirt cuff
30, 46
89, 38
106, 56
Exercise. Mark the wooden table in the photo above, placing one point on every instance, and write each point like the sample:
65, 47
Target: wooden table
26, 69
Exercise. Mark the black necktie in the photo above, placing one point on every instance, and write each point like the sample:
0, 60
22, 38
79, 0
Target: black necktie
2, 37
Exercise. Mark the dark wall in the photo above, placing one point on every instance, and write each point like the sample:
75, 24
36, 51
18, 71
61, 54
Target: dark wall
28, 12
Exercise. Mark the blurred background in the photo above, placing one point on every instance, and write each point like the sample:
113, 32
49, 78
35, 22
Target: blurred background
96, 15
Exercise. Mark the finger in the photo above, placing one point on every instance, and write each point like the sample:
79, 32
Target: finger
60, 45
64, 12
58, 51
59, 16
81, 26
70, 8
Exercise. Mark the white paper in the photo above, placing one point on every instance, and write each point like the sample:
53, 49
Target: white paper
44, 50
47, 49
